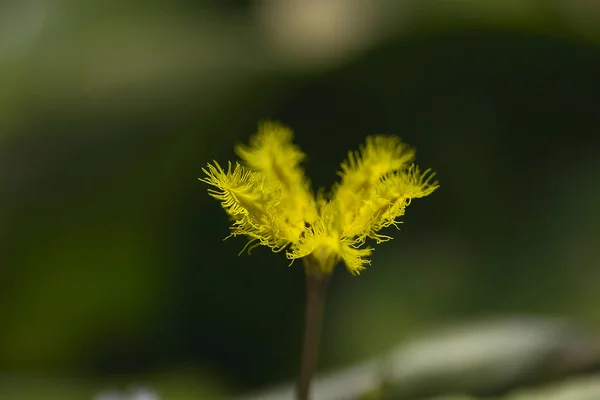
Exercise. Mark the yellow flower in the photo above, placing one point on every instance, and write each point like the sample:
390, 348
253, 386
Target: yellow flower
269, 199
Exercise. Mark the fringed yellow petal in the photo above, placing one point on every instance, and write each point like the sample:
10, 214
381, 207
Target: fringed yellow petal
355, 258
328, 248
362, 170
320, 245
408, 182
392, 194
239, 190
377, 186
272, 153
251, 201
379, 156
367, 219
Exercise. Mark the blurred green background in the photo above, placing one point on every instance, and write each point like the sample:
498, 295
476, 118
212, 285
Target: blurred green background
112, 266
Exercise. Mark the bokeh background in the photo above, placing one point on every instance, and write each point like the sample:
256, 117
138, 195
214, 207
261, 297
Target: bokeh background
113, 271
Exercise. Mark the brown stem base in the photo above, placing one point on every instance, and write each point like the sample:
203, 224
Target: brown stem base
316, 290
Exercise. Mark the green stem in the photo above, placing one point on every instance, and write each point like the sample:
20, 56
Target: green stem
316, 290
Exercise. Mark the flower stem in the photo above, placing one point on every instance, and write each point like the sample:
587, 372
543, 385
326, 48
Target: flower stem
316, 290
